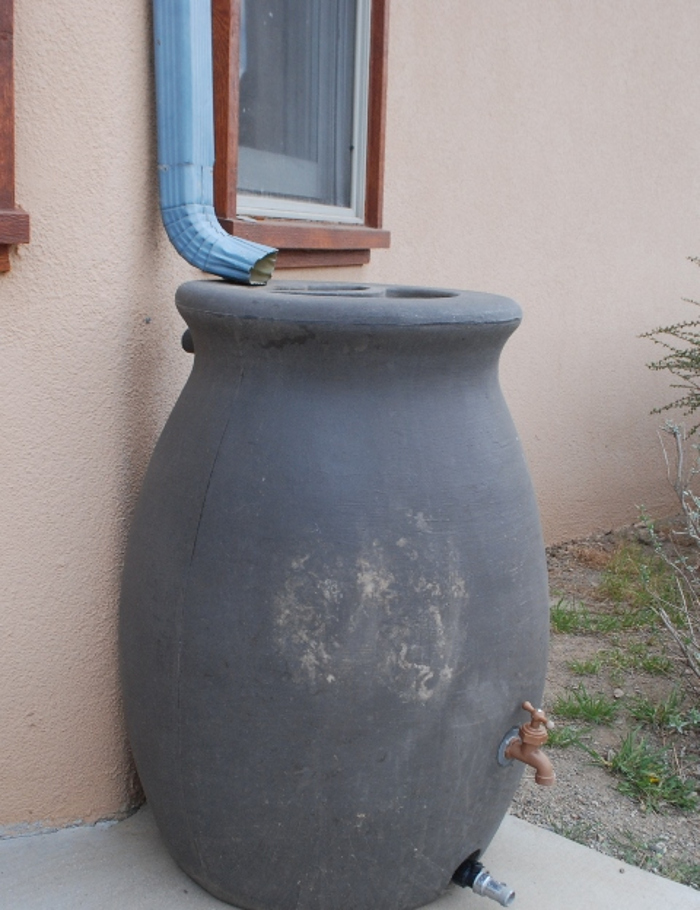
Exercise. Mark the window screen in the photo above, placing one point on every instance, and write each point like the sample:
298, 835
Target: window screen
298, 109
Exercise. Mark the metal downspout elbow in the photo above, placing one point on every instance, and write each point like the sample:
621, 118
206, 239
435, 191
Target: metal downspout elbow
185, 116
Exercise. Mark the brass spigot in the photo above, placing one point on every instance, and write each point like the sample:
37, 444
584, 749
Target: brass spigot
525, 747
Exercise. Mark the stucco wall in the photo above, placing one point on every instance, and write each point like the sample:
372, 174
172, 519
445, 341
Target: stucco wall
545, 149
90, 365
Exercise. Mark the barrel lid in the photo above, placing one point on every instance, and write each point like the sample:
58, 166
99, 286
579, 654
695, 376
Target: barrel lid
342, 303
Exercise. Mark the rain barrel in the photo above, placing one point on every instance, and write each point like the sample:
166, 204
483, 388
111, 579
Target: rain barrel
334, 597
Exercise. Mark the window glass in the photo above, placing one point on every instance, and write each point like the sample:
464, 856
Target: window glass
302, 105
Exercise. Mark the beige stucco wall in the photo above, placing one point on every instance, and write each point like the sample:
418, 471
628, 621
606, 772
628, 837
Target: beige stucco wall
545, 149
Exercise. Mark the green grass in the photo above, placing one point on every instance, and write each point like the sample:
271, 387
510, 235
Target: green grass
635, 656
656, 664
657, 769
667, 714
563, 737
582, 705
624, 619
646, 774
568, 618
636, 576
685, 872
590, 667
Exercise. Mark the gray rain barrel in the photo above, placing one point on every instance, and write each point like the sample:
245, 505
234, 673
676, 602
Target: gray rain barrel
334, 599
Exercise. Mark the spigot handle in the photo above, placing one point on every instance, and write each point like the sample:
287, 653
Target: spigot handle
537, 715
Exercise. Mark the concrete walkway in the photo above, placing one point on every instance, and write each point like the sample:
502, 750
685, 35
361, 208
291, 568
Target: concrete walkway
124, 866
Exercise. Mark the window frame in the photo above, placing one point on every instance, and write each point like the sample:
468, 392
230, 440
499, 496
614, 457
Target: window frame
14, 222
301, 243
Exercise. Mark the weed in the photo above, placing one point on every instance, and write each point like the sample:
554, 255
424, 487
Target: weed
566, 617
630, 849
683, 871
563, 737
581, 832
574, 619
635, 656
650, 856
666, 714
656, 714
681, 359
582, 705
679, 609
636, 577
585, 667
624, 620
646, 774
617, 677
640, 649
656, 664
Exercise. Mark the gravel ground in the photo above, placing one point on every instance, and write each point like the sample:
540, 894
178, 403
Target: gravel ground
585, 804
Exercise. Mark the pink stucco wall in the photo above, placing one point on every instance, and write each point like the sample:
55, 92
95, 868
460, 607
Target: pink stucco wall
544, 149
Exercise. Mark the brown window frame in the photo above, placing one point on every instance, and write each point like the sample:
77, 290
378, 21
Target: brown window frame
301, 243
14, 222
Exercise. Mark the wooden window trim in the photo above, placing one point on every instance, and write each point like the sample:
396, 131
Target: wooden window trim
14, 223
301, 243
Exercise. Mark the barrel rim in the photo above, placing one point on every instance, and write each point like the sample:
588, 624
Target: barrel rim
346, 303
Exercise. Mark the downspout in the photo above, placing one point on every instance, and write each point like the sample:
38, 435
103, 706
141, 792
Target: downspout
185, 113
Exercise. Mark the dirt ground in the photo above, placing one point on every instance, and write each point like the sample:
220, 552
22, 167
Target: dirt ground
586, 804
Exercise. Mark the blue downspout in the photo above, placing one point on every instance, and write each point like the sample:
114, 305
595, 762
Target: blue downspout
185, 103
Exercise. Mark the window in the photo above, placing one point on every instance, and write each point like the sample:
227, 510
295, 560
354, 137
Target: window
299, 89
302, 111
14, 223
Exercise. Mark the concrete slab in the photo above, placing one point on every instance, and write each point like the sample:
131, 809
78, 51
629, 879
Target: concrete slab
125, 866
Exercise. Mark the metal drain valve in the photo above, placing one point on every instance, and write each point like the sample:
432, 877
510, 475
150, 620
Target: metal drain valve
471, 874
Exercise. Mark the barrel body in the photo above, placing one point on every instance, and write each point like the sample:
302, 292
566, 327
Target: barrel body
334, 598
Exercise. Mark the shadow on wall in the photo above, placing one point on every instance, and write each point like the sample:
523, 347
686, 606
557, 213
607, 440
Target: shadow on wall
153, 368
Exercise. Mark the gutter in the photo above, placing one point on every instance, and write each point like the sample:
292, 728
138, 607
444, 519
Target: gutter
185, 115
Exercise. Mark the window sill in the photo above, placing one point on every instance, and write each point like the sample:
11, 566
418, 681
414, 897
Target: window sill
14, 228
14, 222
311, 244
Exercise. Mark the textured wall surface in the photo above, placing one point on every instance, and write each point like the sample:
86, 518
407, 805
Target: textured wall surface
549, 150
90, 364
544, 149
